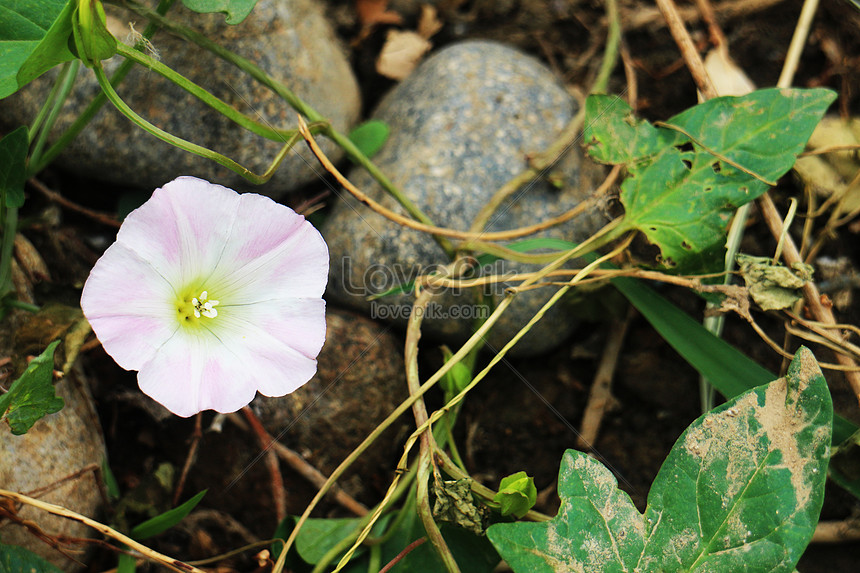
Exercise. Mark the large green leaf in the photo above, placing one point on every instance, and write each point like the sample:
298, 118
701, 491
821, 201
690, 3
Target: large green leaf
235, 10
741, 490
32, 395
14, 559
34, 38
687, 178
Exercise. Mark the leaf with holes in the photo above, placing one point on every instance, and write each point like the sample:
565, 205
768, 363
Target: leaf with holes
741, 490
687, 176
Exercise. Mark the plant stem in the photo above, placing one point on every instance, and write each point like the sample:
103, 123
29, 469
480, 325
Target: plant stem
83, 120
206, 97
187, 145
51, 109
285, 93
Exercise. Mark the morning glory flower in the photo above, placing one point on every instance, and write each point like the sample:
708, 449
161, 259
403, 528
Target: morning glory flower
211, 296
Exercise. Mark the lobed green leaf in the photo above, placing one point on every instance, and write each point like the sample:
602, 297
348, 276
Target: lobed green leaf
741, 490
687, 177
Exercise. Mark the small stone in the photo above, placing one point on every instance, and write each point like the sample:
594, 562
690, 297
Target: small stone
462, 125
289, 39
56, 447
359, 381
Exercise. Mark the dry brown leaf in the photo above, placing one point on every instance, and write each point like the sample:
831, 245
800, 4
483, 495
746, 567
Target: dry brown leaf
429, 23
401, 53
373, 12
728, 78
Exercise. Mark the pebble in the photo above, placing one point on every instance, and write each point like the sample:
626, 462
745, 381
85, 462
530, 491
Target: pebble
463, 124
56, 447
289, 39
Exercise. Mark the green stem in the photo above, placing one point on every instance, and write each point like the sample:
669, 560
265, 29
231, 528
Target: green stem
51, 110
610, 52
187, 145
15, 303
206, 97
294, 101
92, 109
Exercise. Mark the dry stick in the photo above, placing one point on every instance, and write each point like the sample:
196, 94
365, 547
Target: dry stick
432, 229
164, 560
600, 397
688, 50
820, 312
640, 17
836, 531
57, 198
419, 411
279, 494
798, 41
718, 39
307, 471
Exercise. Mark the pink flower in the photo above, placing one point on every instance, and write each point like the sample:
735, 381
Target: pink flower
211, 296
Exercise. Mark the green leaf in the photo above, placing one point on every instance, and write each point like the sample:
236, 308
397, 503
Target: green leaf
741, 490
32, 395
33, 39
166, 520
235, 10
517, 494
13, 166
687, 178
318, 536
370, 136
14, 559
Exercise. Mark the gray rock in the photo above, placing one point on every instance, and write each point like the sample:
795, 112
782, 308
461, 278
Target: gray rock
359, 381
56, 447
289, 39
462, 125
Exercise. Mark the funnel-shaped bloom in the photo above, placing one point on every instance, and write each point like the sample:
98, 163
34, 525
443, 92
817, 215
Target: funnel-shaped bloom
211, 296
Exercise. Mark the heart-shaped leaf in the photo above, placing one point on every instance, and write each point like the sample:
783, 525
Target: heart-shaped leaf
687, 177
741, 490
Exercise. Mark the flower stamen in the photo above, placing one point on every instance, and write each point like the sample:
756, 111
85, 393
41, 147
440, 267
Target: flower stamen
203, 306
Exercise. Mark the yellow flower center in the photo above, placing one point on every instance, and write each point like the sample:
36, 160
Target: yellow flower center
191, 309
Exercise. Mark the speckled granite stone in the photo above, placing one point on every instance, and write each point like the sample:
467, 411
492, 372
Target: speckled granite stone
462, 125
288, 38
56, 446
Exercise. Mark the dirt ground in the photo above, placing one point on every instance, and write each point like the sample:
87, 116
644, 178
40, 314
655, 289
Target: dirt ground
507, 426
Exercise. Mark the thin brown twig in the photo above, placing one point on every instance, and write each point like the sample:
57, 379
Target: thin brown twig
307, 471
641, 17
377, 207
148, 553
820, 312
279, 494
688, 49
836, 531
600, 397
51, 195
